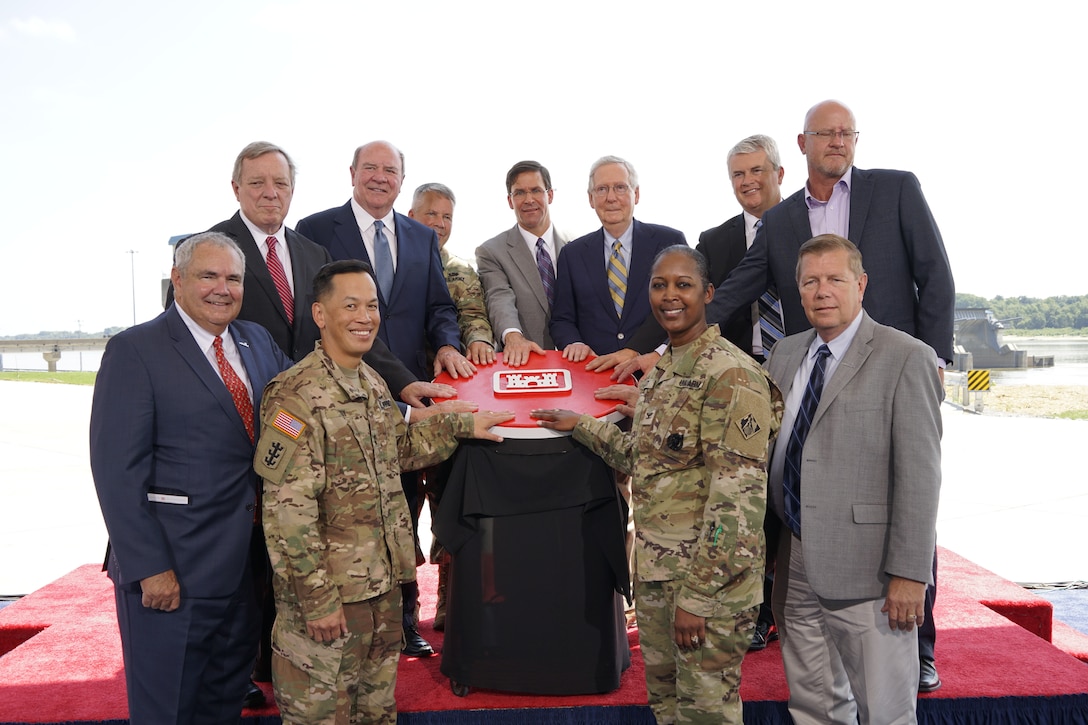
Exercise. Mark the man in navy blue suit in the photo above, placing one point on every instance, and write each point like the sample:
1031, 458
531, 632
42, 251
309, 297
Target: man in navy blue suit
413, 298
171, 441
601, 294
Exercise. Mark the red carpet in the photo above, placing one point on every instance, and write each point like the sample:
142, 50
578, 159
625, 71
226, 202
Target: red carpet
61, 663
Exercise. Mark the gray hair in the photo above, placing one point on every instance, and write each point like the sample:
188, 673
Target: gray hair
432, 187
758, 142
255, 150
183, 252
632, 175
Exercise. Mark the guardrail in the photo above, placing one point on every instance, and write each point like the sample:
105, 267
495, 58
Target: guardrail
51, 349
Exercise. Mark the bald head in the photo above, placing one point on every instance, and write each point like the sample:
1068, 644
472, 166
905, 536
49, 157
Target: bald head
828, 142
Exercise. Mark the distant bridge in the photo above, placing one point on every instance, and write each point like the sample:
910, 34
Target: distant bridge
52, 349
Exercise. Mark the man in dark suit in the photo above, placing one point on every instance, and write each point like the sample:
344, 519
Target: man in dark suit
171, 448
516, 265
602, 294
855, 476
756, 173
414, 301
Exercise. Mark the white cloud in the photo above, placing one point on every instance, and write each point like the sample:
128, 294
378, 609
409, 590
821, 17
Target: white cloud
38, 28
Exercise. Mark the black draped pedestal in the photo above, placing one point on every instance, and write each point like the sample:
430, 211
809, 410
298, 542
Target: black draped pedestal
535, 528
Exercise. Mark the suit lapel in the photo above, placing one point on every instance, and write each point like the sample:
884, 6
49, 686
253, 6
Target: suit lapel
593, 261
194, 357
856, 355
642, 258
347, 239
793, 360
256, 267
249, 360
526, 264
861, 194
298, 275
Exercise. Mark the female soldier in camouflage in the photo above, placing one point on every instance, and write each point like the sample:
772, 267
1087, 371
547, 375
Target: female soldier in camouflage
698, 453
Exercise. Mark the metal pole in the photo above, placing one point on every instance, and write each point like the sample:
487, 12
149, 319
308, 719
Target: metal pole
132, 265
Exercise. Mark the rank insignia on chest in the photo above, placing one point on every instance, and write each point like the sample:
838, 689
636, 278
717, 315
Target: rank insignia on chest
748, 426
385, 404
288, 424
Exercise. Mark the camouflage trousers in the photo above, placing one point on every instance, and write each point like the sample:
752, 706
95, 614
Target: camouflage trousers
700, 686
349, 680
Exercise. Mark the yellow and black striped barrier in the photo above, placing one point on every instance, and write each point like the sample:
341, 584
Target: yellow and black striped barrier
978, 380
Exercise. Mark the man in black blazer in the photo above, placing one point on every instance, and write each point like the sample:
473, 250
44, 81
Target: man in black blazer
415, 303
756, 173
172, 435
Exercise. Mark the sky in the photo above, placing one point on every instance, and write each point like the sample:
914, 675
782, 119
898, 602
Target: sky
120, 121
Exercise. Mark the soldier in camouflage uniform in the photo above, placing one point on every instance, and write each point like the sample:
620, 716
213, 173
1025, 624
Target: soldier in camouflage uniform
433, 204
331, 450
698, 453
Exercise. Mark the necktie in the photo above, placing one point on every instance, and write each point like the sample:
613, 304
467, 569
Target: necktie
235, 386
771, 329
383, 261
769, 311
617, 277
547, 272
275, 268
791, 473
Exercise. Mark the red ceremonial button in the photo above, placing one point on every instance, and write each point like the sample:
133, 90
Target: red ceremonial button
545, 381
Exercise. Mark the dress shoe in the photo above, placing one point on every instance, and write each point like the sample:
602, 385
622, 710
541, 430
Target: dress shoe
765, 634
254, 696
414, 644
928, 679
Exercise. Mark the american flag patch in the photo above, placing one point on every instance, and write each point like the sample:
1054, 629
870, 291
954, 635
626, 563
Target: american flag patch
288, 424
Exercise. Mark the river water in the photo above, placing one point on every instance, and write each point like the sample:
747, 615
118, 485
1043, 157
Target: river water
1070, 362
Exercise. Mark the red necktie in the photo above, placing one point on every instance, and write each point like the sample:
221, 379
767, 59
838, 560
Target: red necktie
275, 267
235, 386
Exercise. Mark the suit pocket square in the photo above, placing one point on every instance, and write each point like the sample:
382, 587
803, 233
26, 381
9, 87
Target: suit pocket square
870, 513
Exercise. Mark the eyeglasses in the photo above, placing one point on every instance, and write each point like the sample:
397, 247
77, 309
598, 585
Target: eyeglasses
846, 135
520, 194
617, 189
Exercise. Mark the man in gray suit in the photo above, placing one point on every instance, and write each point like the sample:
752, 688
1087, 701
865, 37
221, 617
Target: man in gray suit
517, 267
856, 481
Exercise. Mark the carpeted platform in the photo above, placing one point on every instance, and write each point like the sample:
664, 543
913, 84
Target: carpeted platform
61, 663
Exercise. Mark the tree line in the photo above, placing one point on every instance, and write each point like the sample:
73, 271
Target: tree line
1033, 313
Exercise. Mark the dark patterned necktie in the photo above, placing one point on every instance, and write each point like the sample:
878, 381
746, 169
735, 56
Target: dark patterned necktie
791, 473
547, 272
769, 311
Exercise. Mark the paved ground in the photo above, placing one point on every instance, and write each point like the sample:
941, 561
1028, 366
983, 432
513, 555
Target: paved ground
1013, 500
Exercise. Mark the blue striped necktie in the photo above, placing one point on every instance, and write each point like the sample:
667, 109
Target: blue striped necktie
769, 311
791, 474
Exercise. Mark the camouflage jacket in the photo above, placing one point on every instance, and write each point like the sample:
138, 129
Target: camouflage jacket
468, 296
330, 453
698, 454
